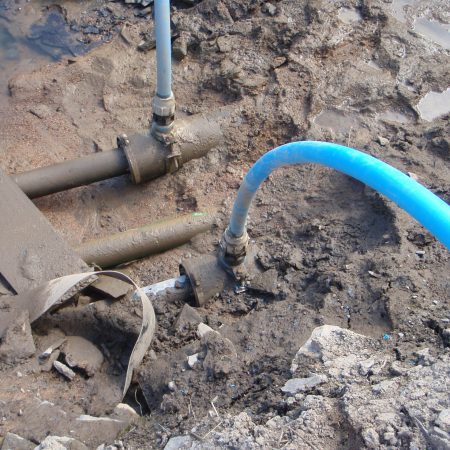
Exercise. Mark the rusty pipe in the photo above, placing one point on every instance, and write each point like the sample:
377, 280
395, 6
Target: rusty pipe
144, 157
137, 243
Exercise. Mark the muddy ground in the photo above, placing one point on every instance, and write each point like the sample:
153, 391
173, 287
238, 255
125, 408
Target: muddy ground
336, 252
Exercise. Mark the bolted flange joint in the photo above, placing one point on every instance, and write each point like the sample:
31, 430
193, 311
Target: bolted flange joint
233, 249
163, 115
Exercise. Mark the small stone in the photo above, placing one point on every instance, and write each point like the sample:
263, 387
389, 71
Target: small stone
124, 411
17, 343
14, 442
371, 438
224, 44
374, 274
266, 282
180, 48
172, 386
365, 366
179, 443
91, 29
278, 62
60, 443
187, 319
295, 385
383, 141
64, 370
443, 420
83, 354
192, 360
269, 9
203, 330
390, 438
413, 176
397, 369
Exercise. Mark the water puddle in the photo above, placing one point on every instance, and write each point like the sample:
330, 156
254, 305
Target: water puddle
32, 37
434, 31
434, 105
349, 15
336, 120
393, 116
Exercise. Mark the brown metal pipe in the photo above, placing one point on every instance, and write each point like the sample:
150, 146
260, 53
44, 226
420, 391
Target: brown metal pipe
207, 277
140, 242
143, 157
70, 174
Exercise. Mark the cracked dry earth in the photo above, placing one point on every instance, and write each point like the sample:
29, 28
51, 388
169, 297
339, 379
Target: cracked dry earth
347, 345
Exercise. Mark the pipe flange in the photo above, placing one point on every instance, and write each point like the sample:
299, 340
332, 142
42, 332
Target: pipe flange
233, 249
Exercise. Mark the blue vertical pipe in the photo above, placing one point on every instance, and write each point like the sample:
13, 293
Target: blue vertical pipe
427, 208
163, 49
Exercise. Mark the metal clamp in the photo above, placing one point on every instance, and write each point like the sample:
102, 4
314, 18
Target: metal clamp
233, 249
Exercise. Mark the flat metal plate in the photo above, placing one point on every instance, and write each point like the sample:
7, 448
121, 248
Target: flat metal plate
31, 251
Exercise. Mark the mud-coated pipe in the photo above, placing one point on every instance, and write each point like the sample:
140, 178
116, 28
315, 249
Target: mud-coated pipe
70, 174
163, 49
140, 242
144, 157
427, 208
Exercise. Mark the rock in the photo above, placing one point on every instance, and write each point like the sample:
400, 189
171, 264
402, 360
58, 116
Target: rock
383, 141
221, 356
296, 385
188, 318
17, 343
83, 354
224, 44
203, 330
397, 369
103, 428
269, 9
125, 412
60, 443
14, 442
266, 282
47, 365
179, 443
148, 43
64, 370
443, 420
180, 48
112, 287
371, 438
330, 343
41, 111
192, 360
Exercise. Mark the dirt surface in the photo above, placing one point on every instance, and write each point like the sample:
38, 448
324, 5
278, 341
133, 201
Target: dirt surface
336, 252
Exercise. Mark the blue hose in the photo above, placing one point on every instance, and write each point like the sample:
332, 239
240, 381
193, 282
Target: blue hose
432, 212
163, 49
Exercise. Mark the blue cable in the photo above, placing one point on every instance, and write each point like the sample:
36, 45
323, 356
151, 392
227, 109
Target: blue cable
163, 49
427, 208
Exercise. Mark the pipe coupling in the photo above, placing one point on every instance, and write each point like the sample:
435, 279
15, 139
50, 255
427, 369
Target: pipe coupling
233, 249
163, 115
